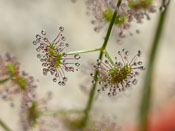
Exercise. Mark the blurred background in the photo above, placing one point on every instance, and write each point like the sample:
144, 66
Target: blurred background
21, 20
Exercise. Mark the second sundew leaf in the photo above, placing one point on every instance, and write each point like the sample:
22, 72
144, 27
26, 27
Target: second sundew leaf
119, 20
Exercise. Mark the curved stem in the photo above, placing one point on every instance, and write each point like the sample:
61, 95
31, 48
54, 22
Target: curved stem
4, 126
83, 51
4, 80
147, 93
92, 92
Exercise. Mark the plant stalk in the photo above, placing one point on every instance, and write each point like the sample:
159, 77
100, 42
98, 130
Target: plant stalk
147, 89
93, 89
83, 51
4, 126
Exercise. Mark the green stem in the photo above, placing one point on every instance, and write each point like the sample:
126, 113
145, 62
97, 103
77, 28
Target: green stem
4, 126
147, 93
83, 51
4, 80
92, 92
109, 58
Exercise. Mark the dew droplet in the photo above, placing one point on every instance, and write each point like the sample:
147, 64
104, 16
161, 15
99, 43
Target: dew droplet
162, 9
100, 82
65, 79
93, 82
77, 64
61, 44
77, 56
93, 21
140, 62
98, 90
91, 74
96, 29
61, 28
126, 53
67, 45
46, 39
63, 83
34, 42
43, 32
139, 53
137, 73
141, 68
54, 79
38, 36
59, 83
106, 61
63, 38
134, 82
98, 60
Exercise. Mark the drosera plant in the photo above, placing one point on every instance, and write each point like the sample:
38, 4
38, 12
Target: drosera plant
53, 57
129, 12
31, 114
13, 81
118, 76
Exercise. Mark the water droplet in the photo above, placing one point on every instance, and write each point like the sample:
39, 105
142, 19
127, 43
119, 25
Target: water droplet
54, 79
59, 83
126, 53
162, 9
134, 82
119, 52
98, 60
99, 75
91, 74
65, 79
63, 38
140, 62
141, 68
139, 53
63, 83
77, 56
93, 82
67, 45
100, 82
98, 90
77, 64
46, 39
106, 61
61, 44
96, 29
93, 21
137, 73
38, 36
38, 49
61, 28
43, 32
34, 42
